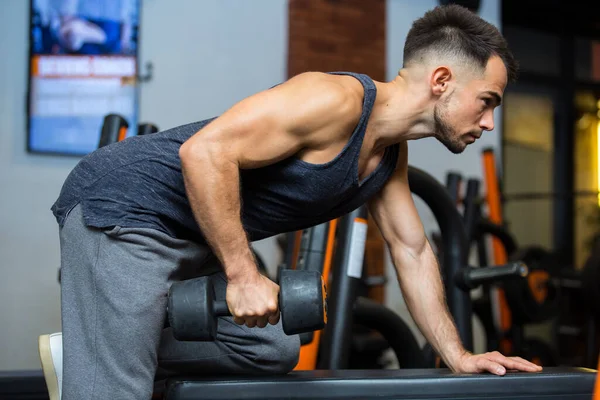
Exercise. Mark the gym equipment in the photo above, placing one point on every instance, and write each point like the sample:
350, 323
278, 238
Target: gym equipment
114, 129
473, 277
466, 278
530, 300
333, 381
193, 311
147, 129
392, 328
535, 299
453, 184
503, 317
422, 384
24, 384
539, 298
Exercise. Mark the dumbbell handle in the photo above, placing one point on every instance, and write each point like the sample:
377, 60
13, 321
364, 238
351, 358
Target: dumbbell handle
470, 277
221, 309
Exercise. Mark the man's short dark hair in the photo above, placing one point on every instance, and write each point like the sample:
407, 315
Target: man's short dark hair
459, 32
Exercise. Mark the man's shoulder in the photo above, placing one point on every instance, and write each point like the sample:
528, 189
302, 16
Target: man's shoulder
333, 82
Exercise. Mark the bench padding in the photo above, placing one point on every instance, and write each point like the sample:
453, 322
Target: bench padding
552, 383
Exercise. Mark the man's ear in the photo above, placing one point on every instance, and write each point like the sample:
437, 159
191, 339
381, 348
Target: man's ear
440, 78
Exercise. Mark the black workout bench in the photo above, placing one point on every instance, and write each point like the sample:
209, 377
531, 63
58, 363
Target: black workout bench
552, 383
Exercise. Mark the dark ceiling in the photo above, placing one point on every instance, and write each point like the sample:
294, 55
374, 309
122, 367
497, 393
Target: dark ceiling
580, 17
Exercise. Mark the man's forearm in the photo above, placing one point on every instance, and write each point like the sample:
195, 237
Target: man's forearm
213, 191
423, 291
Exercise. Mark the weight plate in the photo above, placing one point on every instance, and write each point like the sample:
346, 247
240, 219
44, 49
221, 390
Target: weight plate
302, 301
535, 298
190, 310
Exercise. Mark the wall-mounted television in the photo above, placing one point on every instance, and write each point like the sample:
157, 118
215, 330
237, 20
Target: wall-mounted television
83, 60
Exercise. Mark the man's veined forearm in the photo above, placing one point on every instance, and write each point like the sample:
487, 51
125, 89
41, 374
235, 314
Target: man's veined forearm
423, 291
213, 190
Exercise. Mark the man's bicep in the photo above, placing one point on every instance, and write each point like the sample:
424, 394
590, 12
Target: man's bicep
273, 124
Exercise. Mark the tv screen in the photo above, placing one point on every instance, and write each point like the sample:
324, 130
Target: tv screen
83, 66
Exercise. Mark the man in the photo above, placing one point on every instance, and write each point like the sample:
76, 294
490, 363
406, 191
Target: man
140, 214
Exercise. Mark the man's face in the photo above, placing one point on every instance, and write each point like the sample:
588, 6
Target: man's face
461, 116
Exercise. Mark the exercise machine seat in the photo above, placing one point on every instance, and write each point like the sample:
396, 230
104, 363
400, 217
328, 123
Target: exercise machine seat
551, 383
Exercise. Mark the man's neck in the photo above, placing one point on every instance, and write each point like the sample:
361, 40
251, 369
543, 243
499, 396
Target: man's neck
401, 112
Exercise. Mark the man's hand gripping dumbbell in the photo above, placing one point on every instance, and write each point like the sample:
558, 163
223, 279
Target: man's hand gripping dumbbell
193, 311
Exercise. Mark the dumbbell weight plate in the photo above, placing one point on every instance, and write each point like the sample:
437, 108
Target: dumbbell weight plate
303, 304
535, 299
192, 320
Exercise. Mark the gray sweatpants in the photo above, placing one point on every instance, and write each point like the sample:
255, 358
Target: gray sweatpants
114, 286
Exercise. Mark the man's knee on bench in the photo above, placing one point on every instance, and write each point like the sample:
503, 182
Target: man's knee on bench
262, 351
265, 351
277, 354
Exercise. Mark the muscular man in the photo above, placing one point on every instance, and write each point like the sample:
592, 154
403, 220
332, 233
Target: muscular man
140, 214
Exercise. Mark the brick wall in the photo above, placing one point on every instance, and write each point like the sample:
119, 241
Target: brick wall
333, 35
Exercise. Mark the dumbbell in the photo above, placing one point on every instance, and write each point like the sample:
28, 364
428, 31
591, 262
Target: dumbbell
193, 311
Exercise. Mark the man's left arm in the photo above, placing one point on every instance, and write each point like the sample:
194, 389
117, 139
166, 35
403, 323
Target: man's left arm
418, 273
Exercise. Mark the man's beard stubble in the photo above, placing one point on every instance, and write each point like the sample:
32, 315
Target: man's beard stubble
444, 132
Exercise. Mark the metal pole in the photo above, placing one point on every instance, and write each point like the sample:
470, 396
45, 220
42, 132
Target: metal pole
347, 270
453, 180
470, 210
312, 248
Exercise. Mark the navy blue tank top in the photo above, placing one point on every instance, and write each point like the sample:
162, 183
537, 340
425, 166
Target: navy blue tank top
138, 183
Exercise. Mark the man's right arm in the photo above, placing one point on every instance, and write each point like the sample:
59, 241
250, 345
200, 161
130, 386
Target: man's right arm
212, 185
259, 130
